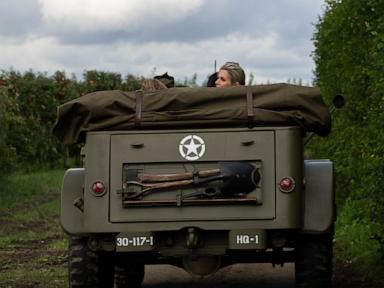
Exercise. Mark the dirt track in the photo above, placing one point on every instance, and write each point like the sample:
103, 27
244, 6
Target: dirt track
239, 275
36, 257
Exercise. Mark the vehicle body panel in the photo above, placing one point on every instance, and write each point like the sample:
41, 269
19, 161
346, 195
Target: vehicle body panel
278, 148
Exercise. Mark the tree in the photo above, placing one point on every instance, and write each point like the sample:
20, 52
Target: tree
349, 57
7, 154
28, 106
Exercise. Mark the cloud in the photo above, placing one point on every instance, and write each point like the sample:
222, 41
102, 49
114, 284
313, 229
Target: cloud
18, 18
112, 15
262, 56
271, 39
102, 21
31, 53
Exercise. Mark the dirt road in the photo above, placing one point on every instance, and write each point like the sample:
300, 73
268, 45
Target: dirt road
239, 275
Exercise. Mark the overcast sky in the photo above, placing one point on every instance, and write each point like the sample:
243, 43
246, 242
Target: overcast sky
270, 38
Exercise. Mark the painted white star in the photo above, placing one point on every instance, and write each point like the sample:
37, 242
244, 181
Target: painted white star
192, 147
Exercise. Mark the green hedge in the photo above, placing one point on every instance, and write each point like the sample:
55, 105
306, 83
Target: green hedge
28, 103
349, 56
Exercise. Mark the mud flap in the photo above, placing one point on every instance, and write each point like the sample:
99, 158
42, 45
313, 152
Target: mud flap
319, 198
71, 217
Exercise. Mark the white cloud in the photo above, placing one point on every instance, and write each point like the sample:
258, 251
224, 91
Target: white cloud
180, 59
30, 53
271, 39
106, 15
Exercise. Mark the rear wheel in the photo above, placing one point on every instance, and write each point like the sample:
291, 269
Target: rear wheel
128, 273
313, 266
89, 268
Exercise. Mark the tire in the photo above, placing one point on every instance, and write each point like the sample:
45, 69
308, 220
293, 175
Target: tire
128, 273
313, 265
88, 268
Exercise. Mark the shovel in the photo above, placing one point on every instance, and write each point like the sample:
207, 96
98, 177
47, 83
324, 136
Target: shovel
234, 177
176, 177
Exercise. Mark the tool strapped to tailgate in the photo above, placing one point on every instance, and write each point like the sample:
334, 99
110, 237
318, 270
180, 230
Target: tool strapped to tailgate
231, 177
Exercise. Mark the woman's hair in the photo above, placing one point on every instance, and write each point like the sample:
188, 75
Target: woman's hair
149, 85
235, 72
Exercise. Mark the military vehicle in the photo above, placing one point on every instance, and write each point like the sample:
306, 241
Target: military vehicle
199, 197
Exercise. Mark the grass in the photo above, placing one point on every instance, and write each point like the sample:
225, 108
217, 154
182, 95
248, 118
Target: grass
29, 276
20, 188
33, 248
355, 241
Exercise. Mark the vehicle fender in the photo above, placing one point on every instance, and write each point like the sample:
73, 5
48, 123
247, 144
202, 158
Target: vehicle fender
71, 215
318, 196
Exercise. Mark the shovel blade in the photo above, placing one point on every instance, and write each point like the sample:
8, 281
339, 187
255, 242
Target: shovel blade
244, 177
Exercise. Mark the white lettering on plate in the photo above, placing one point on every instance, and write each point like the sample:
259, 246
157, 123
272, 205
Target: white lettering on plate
246, 239
134, 241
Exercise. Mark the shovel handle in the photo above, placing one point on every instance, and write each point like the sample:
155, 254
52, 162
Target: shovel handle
152, 187
160, 186
176, 177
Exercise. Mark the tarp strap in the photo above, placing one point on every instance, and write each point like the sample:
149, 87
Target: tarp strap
139, 101
250, 113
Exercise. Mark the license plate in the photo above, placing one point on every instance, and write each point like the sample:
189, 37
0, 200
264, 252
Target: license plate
247, 239
141, 241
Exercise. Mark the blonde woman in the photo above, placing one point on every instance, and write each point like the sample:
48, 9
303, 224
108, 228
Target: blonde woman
230, 74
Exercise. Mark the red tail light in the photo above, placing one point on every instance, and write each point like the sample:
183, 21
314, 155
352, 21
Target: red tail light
98, 188
287, 184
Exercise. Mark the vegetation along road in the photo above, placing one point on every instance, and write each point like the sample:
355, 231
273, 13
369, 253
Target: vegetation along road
33, 248
349, 58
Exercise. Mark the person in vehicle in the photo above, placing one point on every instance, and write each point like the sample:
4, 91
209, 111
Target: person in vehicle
230, 74
159, 82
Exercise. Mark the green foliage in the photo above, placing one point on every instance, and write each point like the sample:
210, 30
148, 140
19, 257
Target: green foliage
20, 188
97, 80
349, 56
354, 240
7, 116
131, 83
32, 243
28, 104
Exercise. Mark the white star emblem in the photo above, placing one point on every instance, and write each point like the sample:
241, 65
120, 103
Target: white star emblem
192, 147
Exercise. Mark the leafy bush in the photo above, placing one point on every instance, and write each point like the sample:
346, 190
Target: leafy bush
28, 105
7, 116
349, 56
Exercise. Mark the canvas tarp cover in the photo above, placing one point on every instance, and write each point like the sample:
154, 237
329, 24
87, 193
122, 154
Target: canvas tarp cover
178, 108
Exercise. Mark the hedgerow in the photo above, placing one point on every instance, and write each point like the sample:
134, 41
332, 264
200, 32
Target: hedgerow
28, 105
349, 56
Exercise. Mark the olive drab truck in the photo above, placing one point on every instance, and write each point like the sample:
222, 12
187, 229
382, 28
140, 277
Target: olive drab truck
200, 191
